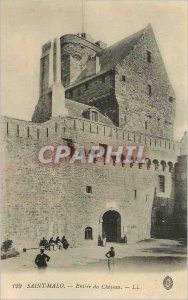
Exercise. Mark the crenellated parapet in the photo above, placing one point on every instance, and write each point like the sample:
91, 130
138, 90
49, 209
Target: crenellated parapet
83, 39
161, 153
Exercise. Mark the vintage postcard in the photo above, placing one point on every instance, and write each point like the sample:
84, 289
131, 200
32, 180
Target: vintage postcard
94, 149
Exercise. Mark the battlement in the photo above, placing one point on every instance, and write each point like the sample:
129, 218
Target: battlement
84, 131
77, 39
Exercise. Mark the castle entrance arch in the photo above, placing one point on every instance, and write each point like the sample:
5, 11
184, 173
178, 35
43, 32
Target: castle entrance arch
111, 226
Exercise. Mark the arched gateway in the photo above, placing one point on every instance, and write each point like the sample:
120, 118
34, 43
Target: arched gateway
111, 225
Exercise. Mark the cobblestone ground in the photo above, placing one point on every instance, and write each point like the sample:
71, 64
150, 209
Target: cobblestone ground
153, 255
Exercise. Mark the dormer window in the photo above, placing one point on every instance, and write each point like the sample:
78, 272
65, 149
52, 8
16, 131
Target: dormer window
91, 114
148, 56
94, 116
83, 35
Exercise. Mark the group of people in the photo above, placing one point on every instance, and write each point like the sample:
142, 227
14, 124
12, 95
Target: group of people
54, 243
102, 240
42, 259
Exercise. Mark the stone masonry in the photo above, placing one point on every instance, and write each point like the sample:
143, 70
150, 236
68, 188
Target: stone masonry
126, 88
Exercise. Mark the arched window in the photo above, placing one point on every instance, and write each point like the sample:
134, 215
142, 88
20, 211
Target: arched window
156, 164
88, 233
148, 162
170, 165
163, 164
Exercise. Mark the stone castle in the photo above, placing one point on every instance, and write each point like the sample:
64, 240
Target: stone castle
94, 94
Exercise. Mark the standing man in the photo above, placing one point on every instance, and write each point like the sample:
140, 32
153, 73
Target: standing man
41, 260
110, 255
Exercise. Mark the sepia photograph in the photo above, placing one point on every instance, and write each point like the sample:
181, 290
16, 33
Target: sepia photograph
93, 149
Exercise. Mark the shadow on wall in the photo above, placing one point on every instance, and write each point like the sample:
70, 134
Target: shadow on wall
162, 225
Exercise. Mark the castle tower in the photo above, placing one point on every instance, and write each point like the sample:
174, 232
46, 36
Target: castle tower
119, 95
75, 52
62, 62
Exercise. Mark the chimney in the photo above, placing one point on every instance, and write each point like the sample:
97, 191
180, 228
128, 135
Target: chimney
92, 65
86, 36
101, 44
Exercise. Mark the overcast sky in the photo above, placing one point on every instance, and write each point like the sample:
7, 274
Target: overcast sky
27, 25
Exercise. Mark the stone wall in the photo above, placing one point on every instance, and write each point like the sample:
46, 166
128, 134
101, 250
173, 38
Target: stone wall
132, 92
45, 200
98, 92
50, 200
123, 93
43, 109
87, 131
180, 212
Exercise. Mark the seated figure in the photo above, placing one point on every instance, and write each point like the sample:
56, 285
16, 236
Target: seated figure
44, 244
65, 243
58, 242
52, 243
